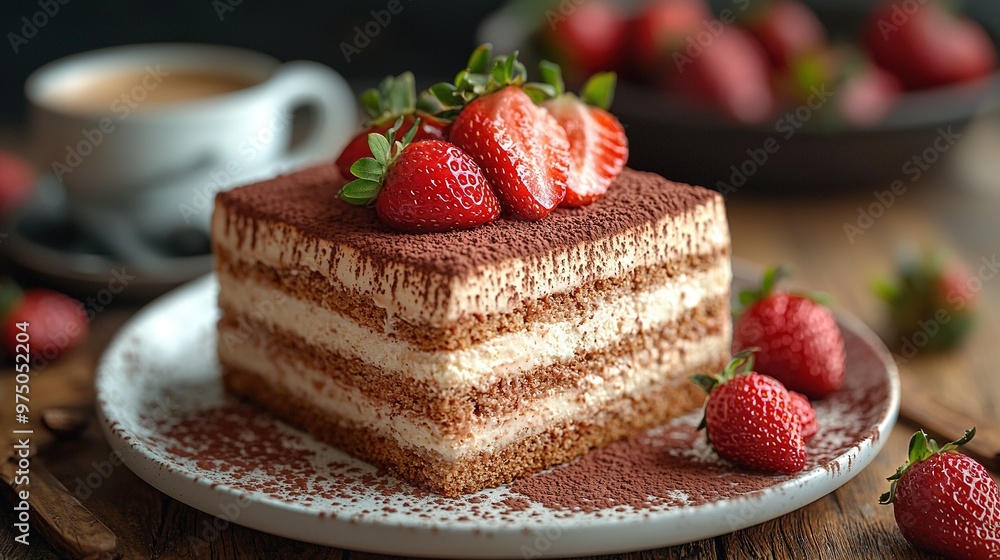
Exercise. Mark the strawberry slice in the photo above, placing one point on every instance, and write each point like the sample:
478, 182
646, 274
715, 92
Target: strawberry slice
421, 187
520, 147
598, 146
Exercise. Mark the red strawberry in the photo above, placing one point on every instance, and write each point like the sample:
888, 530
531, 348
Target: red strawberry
800, 343
54, 323
520, 147
751, 420
931, 300
788, 29
17, 179
586, 40
662, 28
807, 416
421, 187
925, 45
732, 72
395, 97
945, 502
598, 147
867, 94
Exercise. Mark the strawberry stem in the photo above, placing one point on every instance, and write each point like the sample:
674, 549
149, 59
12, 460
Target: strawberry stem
921, 448
482, 77
741, 364
599, 90
395, 96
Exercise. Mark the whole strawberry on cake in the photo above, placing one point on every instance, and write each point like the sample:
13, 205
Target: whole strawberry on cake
479, 306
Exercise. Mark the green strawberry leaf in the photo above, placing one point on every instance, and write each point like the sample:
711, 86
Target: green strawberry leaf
705, 382
447, 94
599, 90
539, 92
10, 295
368, 168
552, 75
371, 101
360, 192
479, 61
918, 448
380, 147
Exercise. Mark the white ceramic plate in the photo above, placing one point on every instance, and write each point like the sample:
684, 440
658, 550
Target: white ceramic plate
165, 413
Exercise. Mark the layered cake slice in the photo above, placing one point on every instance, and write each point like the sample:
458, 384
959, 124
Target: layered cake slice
461, 360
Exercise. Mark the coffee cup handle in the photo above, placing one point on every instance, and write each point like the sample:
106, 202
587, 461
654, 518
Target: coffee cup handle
304, 83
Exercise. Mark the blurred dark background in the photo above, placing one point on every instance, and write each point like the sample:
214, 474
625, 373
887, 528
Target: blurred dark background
430, 37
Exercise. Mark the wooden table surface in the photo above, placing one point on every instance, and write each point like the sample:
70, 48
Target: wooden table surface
846, 524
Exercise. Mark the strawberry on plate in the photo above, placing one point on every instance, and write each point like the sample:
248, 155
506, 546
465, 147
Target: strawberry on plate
55, 323
945, 502
521, 148
420, 187
395, 97
807, 415
598, 146
799, 341
750, 418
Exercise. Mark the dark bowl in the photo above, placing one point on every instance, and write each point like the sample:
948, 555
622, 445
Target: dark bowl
696, 144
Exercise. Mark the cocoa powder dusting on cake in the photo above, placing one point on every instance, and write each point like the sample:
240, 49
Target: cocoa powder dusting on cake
637, 198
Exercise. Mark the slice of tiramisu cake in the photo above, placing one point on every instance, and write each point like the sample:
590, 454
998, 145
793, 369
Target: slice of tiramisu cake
462, 359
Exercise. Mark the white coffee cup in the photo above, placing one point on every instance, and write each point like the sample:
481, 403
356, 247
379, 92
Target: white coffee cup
165, 123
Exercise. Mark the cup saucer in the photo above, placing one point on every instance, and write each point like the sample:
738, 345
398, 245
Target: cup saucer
42, 239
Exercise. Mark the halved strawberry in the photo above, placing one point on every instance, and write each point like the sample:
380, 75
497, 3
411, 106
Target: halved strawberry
395, 97
427, 186
598, 146
520, 147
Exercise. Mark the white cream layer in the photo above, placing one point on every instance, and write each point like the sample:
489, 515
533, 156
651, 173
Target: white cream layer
422, 297
642, 372
539, 345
